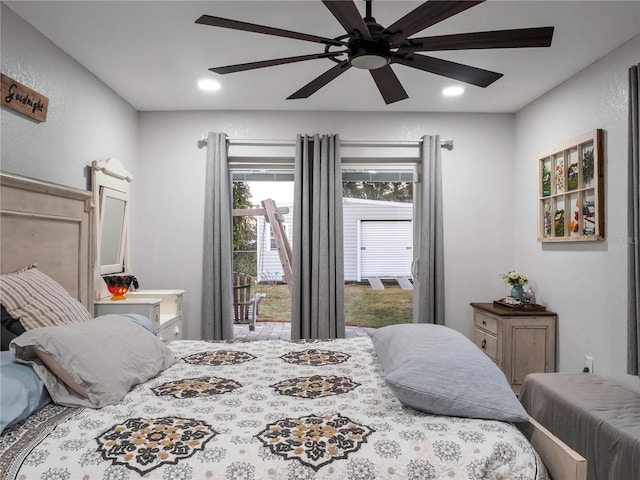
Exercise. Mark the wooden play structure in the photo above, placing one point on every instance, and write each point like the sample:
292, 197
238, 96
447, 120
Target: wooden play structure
274, 216
245, 305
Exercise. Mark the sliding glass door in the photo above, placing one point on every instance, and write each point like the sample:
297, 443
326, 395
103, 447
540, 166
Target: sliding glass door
379, 226
378, 243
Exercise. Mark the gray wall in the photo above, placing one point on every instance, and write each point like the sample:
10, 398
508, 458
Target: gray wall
86, 120
477, 177
585, 283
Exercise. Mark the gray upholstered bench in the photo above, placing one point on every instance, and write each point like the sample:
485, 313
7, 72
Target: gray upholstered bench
596, 417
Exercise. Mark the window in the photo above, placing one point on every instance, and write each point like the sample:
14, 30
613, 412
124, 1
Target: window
378, 203
378, 244
260, 257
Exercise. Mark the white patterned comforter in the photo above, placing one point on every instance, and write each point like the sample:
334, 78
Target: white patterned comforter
273, 410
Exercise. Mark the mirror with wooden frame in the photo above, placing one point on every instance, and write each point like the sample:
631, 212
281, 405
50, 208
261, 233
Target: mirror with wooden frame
110, 185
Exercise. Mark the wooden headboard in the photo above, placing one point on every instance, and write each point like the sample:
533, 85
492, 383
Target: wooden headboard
49, 225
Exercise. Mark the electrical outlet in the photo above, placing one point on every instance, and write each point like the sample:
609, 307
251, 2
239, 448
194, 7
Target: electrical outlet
588, 364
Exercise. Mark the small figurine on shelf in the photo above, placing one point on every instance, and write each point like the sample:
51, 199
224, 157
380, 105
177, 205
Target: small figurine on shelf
118, 285
529, 296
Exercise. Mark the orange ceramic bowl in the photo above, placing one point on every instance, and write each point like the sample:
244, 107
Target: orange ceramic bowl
118, 292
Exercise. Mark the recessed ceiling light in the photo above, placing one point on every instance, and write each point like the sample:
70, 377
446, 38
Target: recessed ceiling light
208, 84
453, 91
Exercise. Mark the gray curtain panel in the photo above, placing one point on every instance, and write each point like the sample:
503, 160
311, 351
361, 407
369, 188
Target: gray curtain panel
633, 316
317, 297
217, 261
430, 265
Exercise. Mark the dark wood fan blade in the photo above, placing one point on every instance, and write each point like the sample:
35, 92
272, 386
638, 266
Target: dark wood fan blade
269, 63
426, 15
517, 38
349, 17
252, 27
390, 87
319, 82
445, 68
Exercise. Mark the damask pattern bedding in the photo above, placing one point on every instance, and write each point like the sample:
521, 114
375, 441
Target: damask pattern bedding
271, 410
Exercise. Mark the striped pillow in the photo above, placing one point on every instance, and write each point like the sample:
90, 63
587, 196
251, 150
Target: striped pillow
39, 301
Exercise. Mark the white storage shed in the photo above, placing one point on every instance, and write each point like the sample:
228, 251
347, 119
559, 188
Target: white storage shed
378, 241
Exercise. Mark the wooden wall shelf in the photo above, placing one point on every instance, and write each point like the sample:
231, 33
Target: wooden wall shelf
571, 191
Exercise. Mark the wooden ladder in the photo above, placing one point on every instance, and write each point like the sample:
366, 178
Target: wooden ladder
275, 217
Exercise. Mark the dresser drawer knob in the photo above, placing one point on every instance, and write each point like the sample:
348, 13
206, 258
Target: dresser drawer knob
483, 345
484, 322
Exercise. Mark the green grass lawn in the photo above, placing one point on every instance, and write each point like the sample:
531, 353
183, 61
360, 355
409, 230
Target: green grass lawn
364, 306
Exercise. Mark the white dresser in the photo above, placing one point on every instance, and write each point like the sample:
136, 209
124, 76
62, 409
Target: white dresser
162, 307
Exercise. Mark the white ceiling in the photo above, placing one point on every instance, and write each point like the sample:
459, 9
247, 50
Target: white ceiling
152, 53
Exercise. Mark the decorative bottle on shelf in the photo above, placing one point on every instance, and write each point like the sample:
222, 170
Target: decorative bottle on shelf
118, 285
517, 292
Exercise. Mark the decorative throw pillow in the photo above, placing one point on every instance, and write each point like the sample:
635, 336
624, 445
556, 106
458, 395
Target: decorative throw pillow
94, 363
438, 370
39, 301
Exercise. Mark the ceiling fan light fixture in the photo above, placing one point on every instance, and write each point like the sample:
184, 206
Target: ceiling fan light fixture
369, 55
369, 61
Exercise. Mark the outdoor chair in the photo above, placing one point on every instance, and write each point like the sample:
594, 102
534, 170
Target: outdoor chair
245, 305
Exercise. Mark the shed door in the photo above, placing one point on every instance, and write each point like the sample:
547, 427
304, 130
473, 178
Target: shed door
386, 248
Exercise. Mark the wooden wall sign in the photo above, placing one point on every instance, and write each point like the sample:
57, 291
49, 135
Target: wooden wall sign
22, 99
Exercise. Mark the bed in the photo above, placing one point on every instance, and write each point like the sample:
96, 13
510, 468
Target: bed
380, 408
598, 417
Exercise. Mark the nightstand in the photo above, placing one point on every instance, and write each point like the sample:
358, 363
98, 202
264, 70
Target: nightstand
518, 341
162, 307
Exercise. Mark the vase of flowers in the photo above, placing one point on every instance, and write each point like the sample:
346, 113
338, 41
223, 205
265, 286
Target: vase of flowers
517, 282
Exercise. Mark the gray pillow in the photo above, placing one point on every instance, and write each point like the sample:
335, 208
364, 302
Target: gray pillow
438, 370
94, 363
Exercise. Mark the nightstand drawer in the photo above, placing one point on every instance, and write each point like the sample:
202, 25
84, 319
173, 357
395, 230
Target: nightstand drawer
486, 322
170, 332
149, 308
487, 343
170, 308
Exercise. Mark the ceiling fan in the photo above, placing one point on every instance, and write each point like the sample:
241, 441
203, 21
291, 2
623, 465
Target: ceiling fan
368, 45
